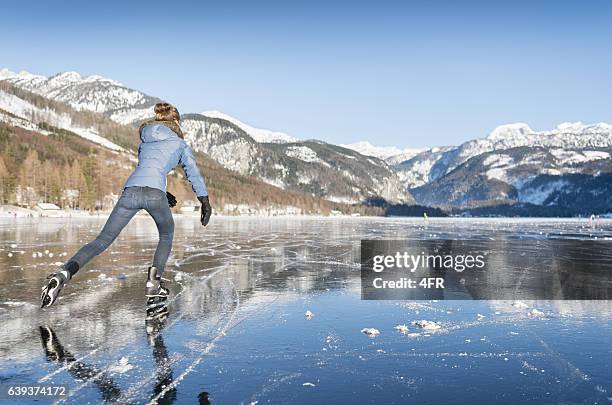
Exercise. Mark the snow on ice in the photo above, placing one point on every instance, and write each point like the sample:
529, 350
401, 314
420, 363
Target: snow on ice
371, 332
427, 325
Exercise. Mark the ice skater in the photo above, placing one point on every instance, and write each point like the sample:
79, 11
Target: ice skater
162, 148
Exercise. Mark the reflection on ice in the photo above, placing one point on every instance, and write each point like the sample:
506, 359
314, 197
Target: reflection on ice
80, 371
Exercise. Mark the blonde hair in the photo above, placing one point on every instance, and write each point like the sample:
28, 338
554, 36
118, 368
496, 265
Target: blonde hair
166, 112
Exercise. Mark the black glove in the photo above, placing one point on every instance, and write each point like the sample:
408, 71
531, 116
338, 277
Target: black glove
206, 210
171, 199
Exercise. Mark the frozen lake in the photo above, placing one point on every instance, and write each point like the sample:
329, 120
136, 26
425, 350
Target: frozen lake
237, 333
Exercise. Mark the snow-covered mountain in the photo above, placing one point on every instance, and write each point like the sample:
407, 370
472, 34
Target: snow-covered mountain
515, 164
91, 93
390, 154
111, 98
434, 163
512, 164
535, 175
260, 135
31, 115
330, 171
324, 170
49, 152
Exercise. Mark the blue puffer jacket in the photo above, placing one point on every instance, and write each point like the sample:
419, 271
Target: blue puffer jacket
160, 151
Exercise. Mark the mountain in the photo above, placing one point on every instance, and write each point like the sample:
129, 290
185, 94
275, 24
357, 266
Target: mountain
535, 175
313, 167
437, 162
90, 93
20, 108
561, 168
390, 154
512, 165
258, 134
51, 152
111, 98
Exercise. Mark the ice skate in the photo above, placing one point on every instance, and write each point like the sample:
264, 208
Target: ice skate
156, 293
52, 289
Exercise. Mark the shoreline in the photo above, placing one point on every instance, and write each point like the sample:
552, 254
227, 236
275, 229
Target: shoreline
14, 212
416, 220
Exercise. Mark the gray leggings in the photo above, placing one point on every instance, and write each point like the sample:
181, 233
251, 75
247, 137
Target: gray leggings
132, 200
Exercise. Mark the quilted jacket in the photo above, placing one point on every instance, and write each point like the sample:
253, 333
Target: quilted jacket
160, 151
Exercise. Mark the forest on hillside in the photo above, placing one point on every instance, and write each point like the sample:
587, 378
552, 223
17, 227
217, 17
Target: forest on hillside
67, 170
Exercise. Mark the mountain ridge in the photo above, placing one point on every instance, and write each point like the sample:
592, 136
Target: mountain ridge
505, 165
46, 157
259, 134
390, 154
230, 142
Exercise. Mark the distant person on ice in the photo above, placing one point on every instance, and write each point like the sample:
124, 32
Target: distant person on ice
162, 148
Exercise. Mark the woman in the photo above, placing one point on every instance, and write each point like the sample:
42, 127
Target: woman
161, 149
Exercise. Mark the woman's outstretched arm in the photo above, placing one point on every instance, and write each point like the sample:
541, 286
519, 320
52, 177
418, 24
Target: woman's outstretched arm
188, 163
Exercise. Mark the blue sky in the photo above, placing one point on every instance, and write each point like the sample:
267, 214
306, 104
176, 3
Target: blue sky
410, 74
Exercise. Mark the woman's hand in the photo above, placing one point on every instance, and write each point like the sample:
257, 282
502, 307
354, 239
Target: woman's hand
206, 210
171, 199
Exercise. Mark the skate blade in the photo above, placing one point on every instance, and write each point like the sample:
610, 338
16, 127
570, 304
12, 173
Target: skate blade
46, 300
50, 292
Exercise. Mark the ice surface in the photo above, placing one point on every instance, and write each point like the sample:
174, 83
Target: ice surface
241, 289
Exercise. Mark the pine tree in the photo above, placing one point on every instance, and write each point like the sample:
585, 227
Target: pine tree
30, 177
5, 187
90, 174
76, 181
